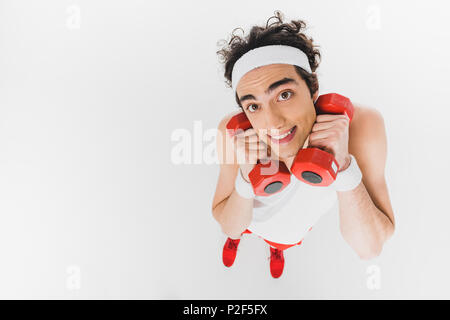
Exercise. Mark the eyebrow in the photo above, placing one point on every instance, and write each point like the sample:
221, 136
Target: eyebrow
271, 88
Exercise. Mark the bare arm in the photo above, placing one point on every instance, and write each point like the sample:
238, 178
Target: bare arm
366, 216
364, 227
233, 212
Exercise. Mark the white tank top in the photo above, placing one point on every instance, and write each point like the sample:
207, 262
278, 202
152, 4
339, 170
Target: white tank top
286, 217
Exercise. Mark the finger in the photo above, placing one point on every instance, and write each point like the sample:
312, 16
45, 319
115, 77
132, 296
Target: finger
330, 117
322, 126
246, 133
242, 140
269, 151
322, 144
257, 153
318, 142
264, 138
322, 134
306, 143
253, 139
253, 146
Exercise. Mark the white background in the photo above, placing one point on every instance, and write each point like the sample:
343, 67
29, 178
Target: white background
92, 205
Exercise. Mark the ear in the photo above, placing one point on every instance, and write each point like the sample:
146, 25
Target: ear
315, 95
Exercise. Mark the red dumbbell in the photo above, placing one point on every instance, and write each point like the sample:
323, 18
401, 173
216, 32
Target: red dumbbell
264, 178
313, 165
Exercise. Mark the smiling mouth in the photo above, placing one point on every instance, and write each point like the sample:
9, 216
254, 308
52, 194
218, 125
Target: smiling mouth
281, 136
284, 138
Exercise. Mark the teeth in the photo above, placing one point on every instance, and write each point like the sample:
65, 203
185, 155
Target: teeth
282, 136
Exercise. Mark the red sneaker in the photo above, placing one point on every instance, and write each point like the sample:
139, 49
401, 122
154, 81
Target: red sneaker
229, 251
276, 262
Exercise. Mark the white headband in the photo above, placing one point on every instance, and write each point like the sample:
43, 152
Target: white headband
262, 56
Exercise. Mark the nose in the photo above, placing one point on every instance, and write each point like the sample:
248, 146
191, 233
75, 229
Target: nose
274, 121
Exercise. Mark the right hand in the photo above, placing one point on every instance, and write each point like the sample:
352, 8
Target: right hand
249, 149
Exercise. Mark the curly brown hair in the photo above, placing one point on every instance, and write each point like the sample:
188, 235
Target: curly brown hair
276, 33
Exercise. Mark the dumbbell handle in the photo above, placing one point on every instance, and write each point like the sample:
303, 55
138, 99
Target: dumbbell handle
313, 165
263, 183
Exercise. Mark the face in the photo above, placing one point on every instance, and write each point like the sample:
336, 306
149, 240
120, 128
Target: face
276, 107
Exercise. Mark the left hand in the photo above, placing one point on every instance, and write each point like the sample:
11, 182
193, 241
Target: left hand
330, 133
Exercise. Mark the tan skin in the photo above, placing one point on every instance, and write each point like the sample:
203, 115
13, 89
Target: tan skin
366, 215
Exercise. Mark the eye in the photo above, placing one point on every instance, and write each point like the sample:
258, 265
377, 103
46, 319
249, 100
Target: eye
290, 93
254, 107
250, 109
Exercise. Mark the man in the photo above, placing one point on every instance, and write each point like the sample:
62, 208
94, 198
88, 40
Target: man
277, 88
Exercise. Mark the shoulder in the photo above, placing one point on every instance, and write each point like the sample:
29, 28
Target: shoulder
367, 140
225, 153
366, 127
365, 118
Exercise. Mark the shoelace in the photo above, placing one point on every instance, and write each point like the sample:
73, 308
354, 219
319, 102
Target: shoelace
232, 244
276, 254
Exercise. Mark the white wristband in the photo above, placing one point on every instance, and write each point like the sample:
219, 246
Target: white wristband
242, 187
350, 178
